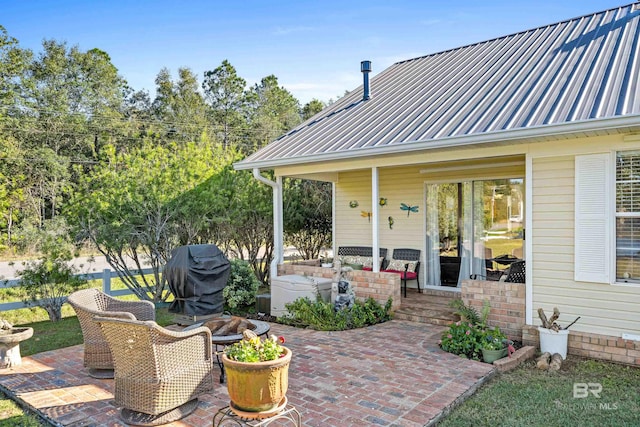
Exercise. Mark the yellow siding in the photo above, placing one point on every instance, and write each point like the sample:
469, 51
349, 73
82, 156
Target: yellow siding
351, 228
397, 185
604, 308
402, 185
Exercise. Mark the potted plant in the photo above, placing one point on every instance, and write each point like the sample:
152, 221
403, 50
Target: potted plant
494, 345
257, 373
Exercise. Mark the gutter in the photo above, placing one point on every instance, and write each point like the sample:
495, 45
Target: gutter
512, 135
278, 241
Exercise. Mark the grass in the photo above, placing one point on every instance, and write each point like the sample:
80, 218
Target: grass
527, 396
11, 415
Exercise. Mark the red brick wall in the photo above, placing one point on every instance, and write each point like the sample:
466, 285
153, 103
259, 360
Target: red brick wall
595, 346
507, 303
365, 284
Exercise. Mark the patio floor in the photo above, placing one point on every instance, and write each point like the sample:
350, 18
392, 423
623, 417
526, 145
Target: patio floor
392, 374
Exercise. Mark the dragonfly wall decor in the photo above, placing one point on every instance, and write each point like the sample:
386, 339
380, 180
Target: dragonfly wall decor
409, 209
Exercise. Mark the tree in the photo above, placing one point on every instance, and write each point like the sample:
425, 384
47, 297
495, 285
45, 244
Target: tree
13, 65
274, 111
243, 218
312, 108
66, 105
47, 281
131, 207
180, 106
307, 219
225, 92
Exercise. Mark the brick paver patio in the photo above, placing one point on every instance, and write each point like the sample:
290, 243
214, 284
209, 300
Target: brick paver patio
392, 374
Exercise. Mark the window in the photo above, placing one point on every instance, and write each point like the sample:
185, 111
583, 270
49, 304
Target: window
628, 217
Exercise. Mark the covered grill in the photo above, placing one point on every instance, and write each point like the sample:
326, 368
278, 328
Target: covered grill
196, 275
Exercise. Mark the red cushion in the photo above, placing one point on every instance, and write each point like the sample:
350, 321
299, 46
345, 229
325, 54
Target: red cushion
367, 269
410, 275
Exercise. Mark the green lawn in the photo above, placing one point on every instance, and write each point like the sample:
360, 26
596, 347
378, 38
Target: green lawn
11, 415
527, 397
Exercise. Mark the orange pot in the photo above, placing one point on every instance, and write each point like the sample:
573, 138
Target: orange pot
259, 386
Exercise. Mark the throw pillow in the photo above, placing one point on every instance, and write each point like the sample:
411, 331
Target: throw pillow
398, 264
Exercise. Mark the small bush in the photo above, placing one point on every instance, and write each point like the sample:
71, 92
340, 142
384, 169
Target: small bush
46, 282
468, 336
242, 286
463, 339
321, 315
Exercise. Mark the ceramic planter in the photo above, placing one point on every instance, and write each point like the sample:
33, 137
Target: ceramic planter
490, 356
259, 386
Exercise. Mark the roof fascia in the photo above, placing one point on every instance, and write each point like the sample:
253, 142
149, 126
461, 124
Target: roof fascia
515, 135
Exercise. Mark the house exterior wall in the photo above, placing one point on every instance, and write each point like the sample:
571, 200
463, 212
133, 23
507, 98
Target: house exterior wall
605, 309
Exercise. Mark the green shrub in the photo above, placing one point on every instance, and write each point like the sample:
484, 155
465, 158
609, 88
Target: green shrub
468, 336
47, 282
463, 339
321, 315
242, 286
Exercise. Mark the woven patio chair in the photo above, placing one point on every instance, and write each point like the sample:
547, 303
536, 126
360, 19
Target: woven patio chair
159, 373
89, 303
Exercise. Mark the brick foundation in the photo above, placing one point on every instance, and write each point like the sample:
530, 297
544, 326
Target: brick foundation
365, 284
594, 346
507, 303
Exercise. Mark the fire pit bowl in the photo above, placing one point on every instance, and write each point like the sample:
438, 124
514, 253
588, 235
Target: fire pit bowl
10, 345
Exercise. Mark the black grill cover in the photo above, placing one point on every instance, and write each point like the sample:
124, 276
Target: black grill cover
196, 275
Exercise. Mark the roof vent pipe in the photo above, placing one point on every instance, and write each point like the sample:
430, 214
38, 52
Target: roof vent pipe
365, 67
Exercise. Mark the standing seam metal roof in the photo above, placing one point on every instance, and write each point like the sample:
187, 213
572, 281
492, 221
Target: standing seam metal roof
577, 70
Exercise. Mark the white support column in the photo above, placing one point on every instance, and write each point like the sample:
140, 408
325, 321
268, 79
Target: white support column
333, 221
528, 238
374, 219
278, 222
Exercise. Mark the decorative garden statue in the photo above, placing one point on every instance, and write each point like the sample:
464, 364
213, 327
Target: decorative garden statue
346, 297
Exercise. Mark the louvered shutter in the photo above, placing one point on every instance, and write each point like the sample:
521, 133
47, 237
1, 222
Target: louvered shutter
592, 218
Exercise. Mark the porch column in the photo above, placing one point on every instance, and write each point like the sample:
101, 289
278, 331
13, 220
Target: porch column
374, 219
278, 227
278, 223
528, 237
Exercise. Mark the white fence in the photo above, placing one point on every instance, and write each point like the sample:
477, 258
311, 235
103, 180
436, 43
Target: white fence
106, 276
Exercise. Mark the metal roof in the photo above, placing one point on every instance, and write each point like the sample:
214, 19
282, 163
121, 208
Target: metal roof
581, 71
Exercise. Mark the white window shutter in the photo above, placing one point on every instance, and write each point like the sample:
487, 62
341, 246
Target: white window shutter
592, 218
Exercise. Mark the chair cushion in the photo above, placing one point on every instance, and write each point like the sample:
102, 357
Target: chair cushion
409, 276
398, 264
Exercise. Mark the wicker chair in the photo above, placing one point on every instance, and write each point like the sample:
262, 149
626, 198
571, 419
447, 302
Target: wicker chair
89, 303
159, 373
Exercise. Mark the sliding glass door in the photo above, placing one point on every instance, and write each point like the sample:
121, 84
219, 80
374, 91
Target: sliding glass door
469, 225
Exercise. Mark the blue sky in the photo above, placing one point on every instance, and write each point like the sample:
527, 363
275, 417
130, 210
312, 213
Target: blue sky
313, 47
